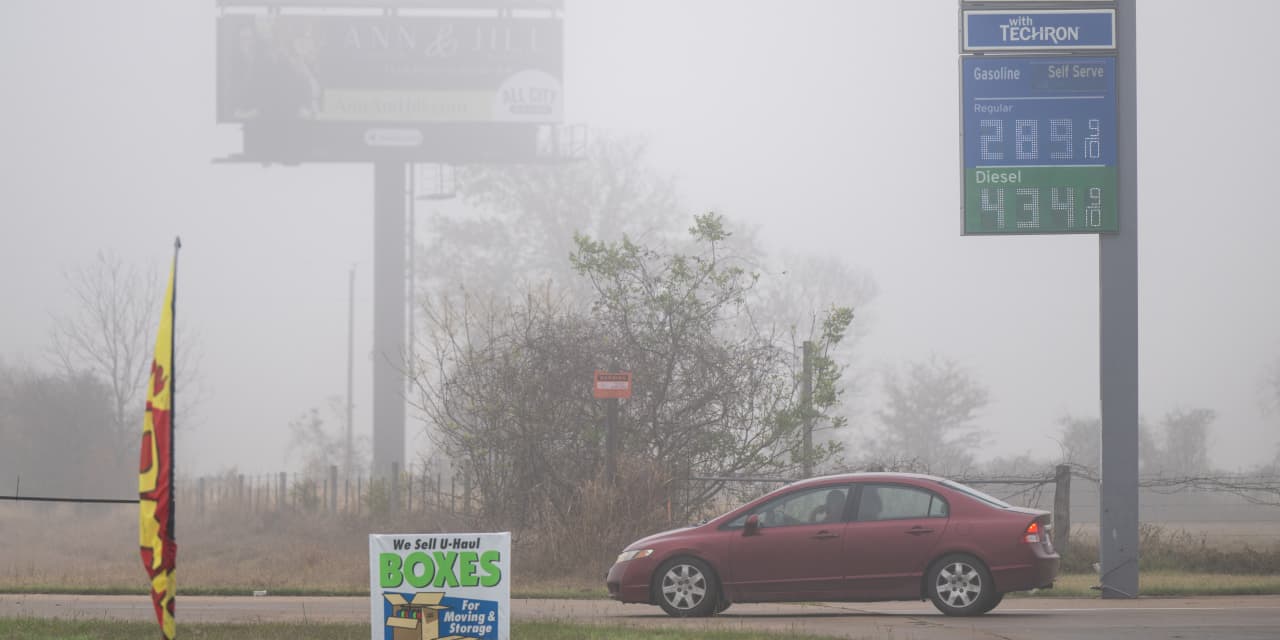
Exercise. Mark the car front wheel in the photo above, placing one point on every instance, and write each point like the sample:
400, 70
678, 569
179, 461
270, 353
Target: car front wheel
960, 585
686, 588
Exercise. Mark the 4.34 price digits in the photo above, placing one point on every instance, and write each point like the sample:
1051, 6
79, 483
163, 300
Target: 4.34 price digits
993, 147
1026, 204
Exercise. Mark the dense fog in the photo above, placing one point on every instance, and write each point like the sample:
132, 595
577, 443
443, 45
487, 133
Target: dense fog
825, 133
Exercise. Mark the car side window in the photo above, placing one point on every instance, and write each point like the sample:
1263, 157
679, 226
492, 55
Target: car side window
812, 506
938, 507
892, 502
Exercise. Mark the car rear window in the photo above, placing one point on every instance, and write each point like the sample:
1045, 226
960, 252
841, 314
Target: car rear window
970, 491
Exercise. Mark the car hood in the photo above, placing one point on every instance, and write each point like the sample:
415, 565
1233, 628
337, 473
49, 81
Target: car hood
658, 537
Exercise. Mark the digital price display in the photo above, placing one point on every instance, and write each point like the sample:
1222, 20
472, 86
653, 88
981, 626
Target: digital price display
1039, 144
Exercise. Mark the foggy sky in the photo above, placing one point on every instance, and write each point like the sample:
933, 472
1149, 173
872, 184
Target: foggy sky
831, 126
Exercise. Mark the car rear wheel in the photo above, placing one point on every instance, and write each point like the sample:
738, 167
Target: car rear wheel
993, 603
960, 585
686, 588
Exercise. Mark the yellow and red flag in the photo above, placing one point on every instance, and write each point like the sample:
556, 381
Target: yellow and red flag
155, 471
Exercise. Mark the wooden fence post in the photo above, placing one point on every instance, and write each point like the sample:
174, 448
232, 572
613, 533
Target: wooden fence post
394, 497
1062, 508
466, 491
333, 488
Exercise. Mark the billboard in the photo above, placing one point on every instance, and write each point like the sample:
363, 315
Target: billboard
389, 70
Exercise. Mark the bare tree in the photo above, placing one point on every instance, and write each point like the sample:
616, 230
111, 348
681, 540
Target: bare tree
1080, 440
929, 415
1180, 447
522, 221
1185, 449
110, 335
1271, 386
54, 443
1269, 395
319, 447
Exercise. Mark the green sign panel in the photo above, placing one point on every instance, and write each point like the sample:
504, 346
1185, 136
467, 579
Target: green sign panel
1040, 200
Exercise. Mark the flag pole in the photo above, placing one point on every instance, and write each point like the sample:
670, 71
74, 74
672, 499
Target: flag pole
157, 471
173, 394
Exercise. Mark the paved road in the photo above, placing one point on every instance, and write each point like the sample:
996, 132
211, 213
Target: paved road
1238, 618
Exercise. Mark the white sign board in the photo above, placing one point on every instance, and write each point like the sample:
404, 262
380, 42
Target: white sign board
446, 586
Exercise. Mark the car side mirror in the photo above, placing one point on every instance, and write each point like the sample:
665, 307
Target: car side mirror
752, 526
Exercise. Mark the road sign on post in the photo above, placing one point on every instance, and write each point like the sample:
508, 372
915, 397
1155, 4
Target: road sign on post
611, 385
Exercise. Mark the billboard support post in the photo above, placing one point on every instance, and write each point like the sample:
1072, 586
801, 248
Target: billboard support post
388, 315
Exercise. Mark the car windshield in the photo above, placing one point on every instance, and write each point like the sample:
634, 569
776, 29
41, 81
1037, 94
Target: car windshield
967, 490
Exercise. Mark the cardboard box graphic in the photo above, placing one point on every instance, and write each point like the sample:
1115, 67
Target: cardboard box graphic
416, 619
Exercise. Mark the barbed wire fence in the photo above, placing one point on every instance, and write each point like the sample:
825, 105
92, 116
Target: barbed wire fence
417, 489
1231, 507
1211, 506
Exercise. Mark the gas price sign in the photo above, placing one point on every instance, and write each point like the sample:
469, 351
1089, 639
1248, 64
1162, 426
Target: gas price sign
1039, 144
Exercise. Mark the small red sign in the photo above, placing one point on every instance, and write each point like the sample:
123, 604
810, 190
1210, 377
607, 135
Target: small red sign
612, 384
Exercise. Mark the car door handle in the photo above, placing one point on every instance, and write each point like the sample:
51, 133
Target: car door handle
824, 535
917, 531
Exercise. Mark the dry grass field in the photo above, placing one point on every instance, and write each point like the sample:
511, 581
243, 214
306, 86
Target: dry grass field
92, 548
96, 547
1221, 535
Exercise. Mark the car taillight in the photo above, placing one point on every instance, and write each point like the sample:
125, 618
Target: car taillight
1034, 532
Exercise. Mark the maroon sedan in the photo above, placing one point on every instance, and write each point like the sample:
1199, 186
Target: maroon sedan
854, 537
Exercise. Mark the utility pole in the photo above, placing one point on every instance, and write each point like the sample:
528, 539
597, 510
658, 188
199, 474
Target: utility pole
806, 407
351, 342
411, 196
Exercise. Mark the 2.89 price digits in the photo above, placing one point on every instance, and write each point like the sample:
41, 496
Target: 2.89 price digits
1026, 204
993, 146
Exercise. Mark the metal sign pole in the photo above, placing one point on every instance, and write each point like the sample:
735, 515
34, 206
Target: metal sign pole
1118, 316
611, 441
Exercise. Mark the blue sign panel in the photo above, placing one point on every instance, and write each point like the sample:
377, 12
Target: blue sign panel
1037, 111
1039, 30
1039, 144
